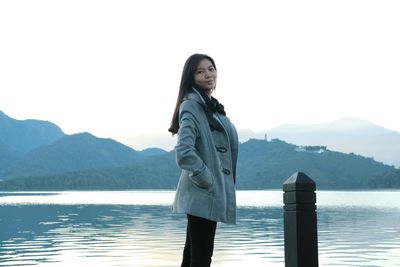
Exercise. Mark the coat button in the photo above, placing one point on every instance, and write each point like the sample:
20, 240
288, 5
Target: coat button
226, 171
221, 149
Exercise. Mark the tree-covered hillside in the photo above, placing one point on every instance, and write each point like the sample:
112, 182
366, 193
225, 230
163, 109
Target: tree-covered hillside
265, 164
37, 155
262, 165
71, 153
21, 136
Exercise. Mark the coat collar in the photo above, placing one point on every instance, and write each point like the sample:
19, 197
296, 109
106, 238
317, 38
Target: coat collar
213, 120
193, 94
210, 104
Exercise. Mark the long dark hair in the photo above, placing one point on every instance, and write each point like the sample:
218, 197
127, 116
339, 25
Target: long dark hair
187, 81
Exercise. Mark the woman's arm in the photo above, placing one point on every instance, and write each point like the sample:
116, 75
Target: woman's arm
187, 156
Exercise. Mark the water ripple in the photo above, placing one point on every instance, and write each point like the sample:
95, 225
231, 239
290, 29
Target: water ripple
149, 235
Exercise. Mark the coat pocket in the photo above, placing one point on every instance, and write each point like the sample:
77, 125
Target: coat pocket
203, 179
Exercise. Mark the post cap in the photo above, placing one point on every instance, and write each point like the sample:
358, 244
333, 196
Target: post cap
299, 181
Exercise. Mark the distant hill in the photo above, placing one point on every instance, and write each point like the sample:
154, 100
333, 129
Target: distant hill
262, 165
72, 152
21, 136
157, 172
349, 135
33, 147
52, 160
6, 158
265, 164
152, 151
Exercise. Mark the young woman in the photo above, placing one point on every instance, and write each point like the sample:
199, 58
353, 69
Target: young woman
206, 152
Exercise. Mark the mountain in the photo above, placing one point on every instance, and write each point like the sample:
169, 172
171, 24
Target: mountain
266, 164
349, 135
33, 147
21, 136
262, 165
6, 158
155, 172
72, 152
152, 151
84, 161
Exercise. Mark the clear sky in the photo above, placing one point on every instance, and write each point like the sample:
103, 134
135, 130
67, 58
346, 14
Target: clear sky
112, 68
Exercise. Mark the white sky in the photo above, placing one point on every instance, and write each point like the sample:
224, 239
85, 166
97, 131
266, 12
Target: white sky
112, 68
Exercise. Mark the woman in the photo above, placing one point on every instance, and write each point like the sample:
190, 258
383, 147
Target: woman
206, 152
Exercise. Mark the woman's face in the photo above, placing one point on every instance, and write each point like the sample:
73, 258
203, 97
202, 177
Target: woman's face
205, 76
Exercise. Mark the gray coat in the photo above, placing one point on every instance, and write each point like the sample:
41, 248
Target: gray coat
208, 161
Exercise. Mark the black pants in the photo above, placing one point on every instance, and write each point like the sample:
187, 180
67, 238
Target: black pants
199, 244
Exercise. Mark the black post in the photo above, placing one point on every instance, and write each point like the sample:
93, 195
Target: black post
300, 221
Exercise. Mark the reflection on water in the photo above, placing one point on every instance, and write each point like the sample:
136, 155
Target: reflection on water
63, 229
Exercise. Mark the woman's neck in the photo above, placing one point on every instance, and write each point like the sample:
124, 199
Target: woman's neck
203, 92
208, 93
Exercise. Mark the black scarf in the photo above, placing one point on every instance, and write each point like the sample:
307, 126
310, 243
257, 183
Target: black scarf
212, 106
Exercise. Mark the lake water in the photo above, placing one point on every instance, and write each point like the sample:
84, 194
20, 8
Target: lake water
137, 228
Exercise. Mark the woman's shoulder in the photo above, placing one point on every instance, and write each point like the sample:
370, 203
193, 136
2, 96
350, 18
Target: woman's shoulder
191, 102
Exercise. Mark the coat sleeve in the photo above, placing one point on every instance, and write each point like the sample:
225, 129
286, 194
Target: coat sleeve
187, 156
234, 149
